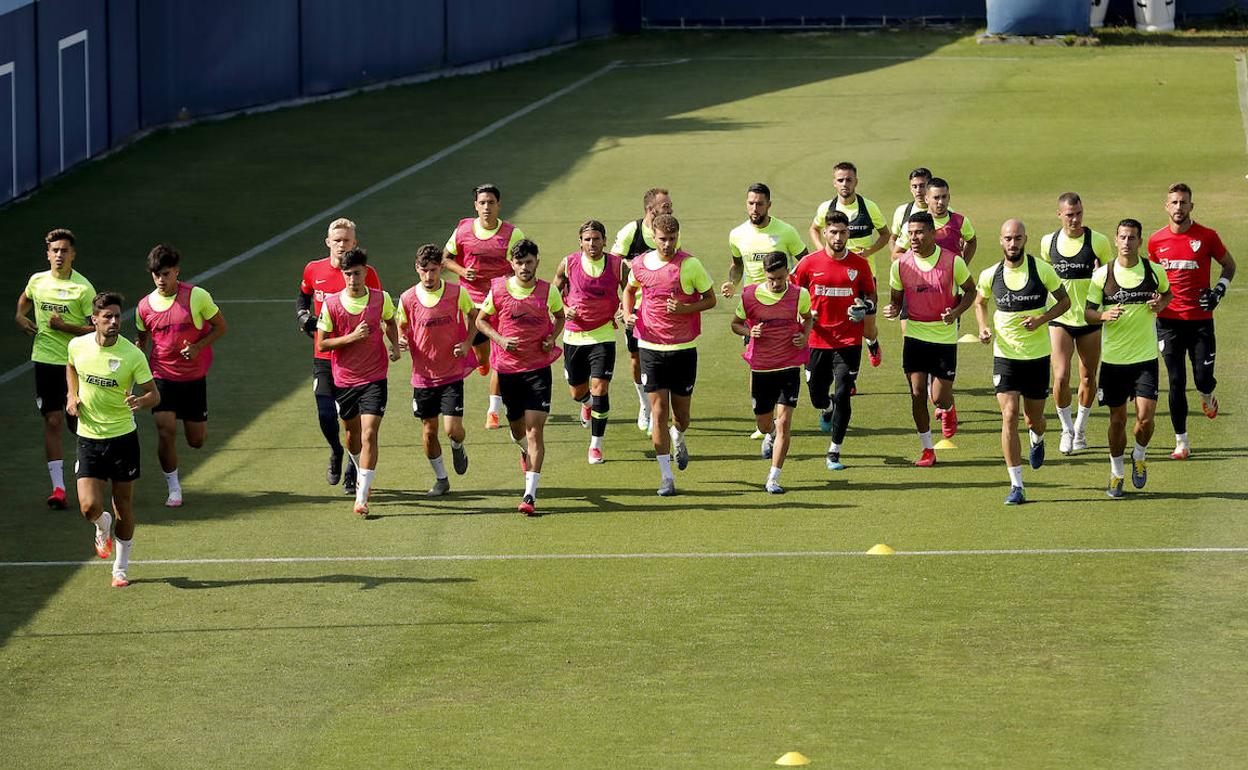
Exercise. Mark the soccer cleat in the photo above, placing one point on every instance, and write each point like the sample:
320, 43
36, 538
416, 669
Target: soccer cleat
1016, 496
491, 421
484, 369
524, 460
56, 500
948, 421
667, 488
459, 459
774, 488
757, 434
174, 500
1067, 443
1139, 473
439, 488
119, 580
643, 419
1209, 405
528, 506
585, 415
348, 479
361, 510
333, 472
825, 421
103, 547
1181, 452
768, 447
682, 452
874, 353
927, 459
834, 462
1115, 486
1081, 442
1035, 455
595, 456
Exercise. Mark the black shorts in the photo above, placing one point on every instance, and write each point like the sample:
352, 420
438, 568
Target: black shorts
369, 398
935, 358
1120, 382
525, 392
428, 403
1028, 377
187, 400
1077, 331
630, 340
782, 387
110, 459
51, 391
323, 378
674, 370
580, 362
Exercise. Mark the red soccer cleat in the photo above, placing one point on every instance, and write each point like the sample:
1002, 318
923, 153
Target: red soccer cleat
528, 506
491, 421
56, 500
585, 415
119, 580
484, 369
524, 461
875, 355
948, 421
595, 456
103, 548
1181, 452
927, 459
1209, 405
361, 510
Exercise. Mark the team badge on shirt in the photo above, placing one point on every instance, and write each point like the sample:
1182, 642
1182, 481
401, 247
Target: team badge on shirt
852, 273
114, 364
63, 293
1195, 246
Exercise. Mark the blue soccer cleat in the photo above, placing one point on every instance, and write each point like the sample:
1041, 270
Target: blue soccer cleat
834, 462
1016, 496
825, 421
1036, 455
1139, 473
1115, 487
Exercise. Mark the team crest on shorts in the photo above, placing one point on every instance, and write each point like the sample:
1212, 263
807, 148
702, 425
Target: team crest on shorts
114, 364
996, 379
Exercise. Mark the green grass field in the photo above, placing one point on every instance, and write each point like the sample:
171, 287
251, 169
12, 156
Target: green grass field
733, 626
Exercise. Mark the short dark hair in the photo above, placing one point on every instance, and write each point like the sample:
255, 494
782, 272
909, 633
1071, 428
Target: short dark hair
523, 248
428, 255
162, 256
923, 218
1129, 222
937, 182
492, 189
595, 225
921, 172
665, 223
760, 188
1069, 198
353, 258
774, 260
649, 196
59, 234
106, 298
846, 166
835, 216
1179, 187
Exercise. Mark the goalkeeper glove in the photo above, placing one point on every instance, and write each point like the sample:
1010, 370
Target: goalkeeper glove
1209, 298
307, 322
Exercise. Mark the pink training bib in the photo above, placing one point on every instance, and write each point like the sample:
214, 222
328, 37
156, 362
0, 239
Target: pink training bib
171, 330
949, 237
928, 292
364, 361
528, 322
654, 324
775, 349
432, 333
596, 298
488, 256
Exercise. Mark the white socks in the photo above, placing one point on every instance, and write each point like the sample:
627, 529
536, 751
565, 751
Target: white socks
1036, 438
1138, 452
530, 483
641, 396
456, 445
1180, 439
1068, 422
171, 478
1117, 466
773, 475
1081, 421
1016, 475
122, 559
364, 483
835, 447
56, 470
926, 440
665, 466
678, 435
496, 404
439, 467
595, 442
104, 525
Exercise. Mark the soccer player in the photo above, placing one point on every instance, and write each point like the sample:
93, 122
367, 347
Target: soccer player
868, 233
349, 330
954, 232
842, 295
1075, 251
1019, 287
436, 319
182, 322
633, 239
590, 281
321, 278
477, 252
102, 369
675, 290
61, 298
928, 279
919, 178
775, 317
1126, 295
522, 316
1184, 250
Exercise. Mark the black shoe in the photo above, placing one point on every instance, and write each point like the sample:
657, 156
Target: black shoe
348, 479
333, 474
459, 459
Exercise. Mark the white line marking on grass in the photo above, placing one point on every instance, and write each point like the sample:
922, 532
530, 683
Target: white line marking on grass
1241, 74
641, 556
389, 181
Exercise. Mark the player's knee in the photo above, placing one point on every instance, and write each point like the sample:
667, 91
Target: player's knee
53, 422
195, 441
325, 408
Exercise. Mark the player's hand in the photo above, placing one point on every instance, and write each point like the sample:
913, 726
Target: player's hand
54, 322
674, 306
394, 352
1113, 314
457, 350
28, 326
548, 343
728, 289
190, 351
799, 340
1154, 303
985, 336
569, 311
71, 406
403, 345
1031, 322
629, 319
470, 274
756, 331
508, 343
948, 316
891, 312
857, 312
132, 401
361, 332
1210, 298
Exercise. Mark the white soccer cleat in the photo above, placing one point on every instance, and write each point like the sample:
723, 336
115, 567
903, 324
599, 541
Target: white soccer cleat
1081, 442
643, 419
174, 500
1067, 443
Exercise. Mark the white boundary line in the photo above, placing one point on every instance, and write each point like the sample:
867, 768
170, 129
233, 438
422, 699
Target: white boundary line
641, 556
389, 181
1241, 73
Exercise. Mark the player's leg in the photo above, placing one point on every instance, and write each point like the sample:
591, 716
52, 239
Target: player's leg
452, 408
681, 377
123, 510
763, 395
1011, 447
787, 395
844, 368
601, 370
481, 349
1063, 345
643, 401
917, 381
433, 453
536, 409
940, 386
871, 338
167, 450
370, 430
1174, 352
576, 373
92, 494
1145, 390
327, 417
1114, 391
1088, 348
660, 416
355, 442
1204, 348
819, 381
51, 392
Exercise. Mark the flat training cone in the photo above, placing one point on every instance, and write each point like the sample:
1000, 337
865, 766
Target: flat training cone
794, 758
968, 337
944, 443
879, 549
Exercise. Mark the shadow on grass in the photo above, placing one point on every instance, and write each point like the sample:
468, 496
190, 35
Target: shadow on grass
1127, 36
253, 629
366, 582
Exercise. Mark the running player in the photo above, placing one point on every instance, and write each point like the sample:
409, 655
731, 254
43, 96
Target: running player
1019, 286
436, 319
675, 290
868, 233
522, 316
590, 281
954, 232
928, 278
349, 330
61, 298
1185, 326
322, 277
842, 295
102, 369
477, 252
775, 317
1131, 292
1075, 252
182, 322
919, 178
634, 238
